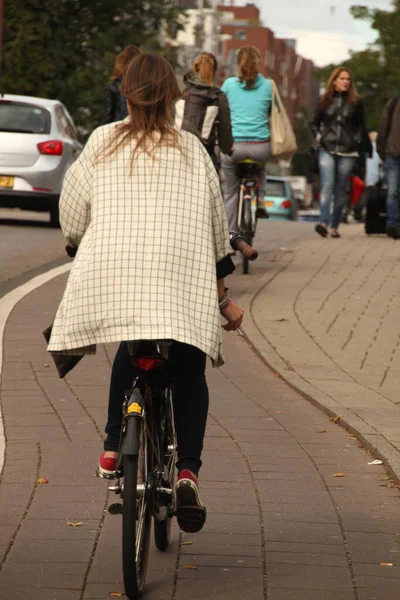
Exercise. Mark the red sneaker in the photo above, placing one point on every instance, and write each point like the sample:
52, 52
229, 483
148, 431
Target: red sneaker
107, 467
187, 489
190, 513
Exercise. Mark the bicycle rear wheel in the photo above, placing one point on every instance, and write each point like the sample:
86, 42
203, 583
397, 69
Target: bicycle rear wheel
136, 517
162, 529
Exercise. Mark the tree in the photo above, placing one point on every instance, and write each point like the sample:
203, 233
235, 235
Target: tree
66, 49
376, 70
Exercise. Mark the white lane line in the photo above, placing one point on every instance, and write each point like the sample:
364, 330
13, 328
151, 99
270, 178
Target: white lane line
7, 304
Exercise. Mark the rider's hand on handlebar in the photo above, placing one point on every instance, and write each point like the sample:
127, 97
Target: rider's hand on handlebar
233, 313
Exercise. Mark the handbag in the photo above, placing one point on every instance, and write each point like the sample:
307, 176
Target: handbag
283, 139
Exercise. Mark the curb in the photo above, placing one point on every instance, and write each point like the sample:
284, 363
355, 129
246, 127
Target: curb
371, 440
7, 304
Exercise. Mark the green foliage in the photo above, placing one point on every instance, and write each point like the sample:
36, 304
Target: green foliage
66, 49
376, 71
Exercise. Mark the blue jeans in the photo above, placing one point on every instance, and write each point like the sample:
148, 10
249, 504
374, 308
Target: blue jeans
335, 172
393, 183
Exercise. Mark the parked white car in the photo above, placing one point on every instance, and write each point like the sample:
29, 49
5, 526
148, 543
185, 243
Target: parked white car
38, 143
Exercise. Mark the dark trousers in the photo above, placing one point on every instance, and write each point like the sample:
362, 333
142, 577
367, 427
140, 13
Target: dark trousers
190, 399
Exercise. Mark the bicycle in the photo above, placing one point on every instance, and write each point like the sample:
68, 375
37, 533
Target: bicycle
145, 472
247, 206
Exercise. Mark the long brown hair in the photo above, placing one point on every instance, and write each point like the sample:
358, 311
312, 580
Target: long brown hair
151, 90
206, 65
330, 88
248, 61
123, 60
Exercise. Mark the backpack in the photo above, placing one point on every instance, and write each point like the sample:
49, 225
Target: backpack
197, 112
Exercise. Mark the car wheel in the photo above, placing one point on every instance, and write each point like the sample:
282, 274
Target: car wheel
54, 217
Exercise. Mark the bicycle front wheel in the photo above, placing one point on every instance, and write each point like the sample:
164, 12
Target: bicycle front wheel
136, 517
247, 232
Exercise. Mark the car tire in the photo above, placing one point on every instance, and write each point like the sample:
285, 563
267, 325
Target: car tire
55, 217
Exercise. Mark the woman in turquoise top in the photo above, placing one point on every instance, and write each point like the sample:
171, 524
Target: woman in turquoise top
249, 97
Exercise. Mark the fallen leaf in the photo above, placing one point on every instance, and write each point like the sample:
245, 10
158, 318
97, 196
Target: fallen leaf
279, 412
277, 375
193, 568
46, 365
376, 462
335, 419
72, 524
339, 474
117, 594
281, 320
41, 481
383, 485
187, 543
321, 431
351, 437
386, 564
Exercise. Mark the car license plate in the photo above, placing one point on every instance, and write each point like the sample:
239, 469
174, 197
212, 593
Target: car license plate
6, 181
269, 204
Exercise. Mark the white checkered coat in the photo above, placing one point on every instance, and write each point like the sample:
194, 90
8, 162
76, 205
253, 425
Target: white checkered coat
148, 245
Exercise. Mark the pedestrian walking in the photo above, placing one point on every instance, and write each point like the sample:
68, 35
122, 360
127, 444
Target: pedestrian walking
204, 109
340, 132
388, 146
115, 108
143, 205
249, 96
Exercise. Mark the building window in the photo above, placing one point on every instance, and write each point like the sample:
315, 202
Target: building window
271, 60
240, 34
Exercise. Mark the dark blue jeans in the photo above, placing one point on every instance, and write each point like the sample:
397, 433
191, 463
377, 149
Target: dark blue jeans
190, 398
335, 172
393, 182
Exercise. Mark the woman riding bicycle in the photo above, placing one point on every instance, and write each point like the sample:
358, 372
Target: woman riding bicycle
203, 108
249, 96
142, 204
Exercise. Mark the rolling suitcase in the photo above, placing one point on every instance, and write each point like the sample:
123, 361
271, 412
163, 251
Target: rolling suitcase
375, 216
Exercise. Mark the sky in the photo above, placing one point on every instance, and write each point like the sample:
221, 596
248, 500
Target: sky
324, 29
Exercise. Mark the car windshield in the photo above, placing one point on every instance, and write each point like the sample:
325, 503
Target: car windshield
275, 188
19, 117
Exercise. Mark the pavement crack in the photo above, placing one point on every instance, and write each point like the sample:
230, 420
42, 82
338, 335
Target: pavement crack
95, 544
177, 566
11, 543
64, 427
74, 393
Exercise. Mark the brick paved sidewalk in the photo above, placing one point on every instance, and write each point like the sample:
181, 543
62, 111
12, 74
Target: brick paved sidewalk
280, 525
327, 317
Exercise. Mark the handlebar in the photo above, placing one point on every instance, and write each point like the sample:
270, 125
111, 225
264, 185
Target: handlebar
238, 243
71, 250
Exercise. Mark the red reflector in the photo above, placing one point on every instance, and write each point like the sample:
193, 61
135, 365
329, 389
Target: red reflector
148, 364
54, 147
286, 204
41, 190
5, 101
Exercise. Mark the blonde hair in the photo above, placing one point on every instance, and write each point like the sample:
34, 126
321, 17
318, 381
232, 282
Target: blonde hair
151, 91
330, 88
206, 65
248, 61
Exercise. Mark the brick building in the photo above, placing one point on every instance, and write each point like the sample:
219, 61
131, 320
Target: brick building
294, 75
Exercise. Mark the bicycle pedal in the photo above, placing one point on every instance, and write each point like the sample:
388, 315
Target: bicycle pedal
115, 508
103, 475
191, 519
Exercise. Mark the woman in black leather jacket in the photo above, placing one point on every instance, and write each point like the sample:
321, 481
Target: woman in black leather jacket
115, 108
339, 130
